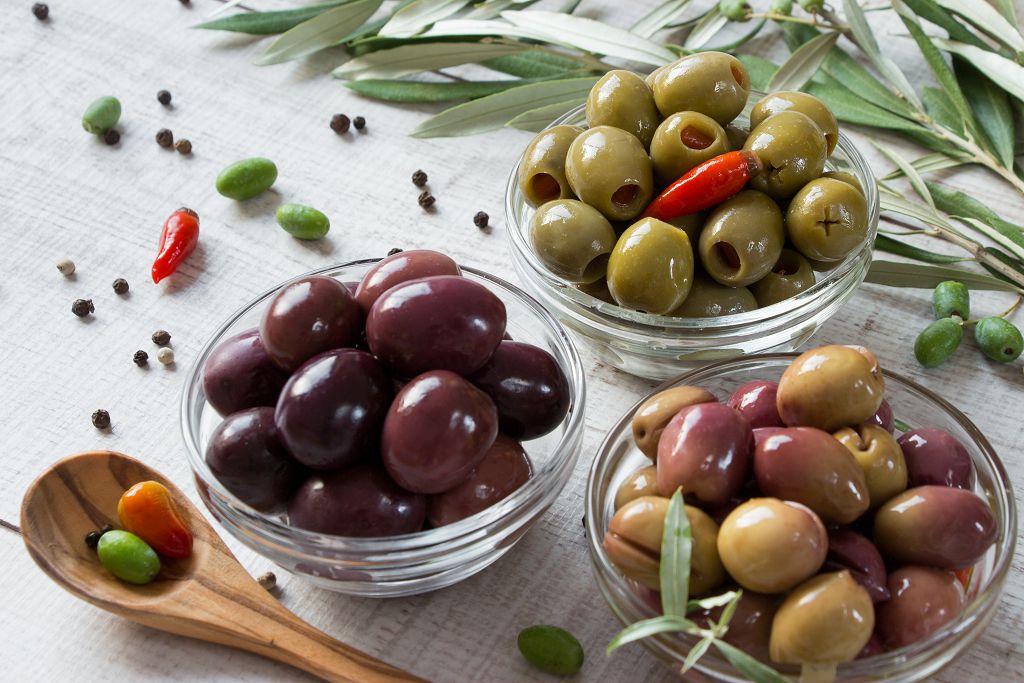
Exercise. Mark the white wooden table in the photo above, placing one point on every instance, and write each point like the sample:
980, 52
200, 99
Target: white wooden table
64, 194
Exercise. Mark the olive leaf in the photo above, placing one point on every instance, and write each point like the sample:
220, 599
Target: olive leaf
475, 27
991, 107
710, 24
540, 118
894, 246
957, 203
651, 627
533, 64
930, 11
714, 601
927, 276
662, 16
938, 106
698, 651
411, 59
325, 30
742, 40
492, 9
986, 18
929, 162
418, 15
996, 67
803, 63
1013, 242
759, 70
268, 23
749, 666
909, 171
676, 550
391, 90
1005, 8
866, 40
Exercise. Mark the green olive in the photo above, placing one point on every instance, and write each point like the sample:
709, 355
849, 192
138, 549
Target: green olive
951, 298
651, 267
790, 275
792, 149
682, 141
691, 224
597, 289
622, 99
708, 299
713, 83
654, 414
609, 169
737, 136
846, 177
643, 482
742, 239
937, 342
542, 170
810, 105
551, 649
572, 239
827, 220
998, 339
879, 456
650, 78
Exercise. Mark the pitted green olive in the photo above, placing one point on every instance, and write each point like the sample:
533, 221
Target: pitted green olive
827, 219
682, 141
643, 482
572, 239
708, 299
792, 149
691, 224
622, 99
609, 169
742, 239
879, 456
790, 275
654, 414
736, 136
846, 177
713, 83
651, 267
542, 170
810, 105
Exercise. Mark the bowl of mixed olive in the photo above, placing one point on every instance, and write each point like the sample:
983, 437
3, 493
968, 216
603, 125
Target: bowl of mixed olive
682, 218
867, 523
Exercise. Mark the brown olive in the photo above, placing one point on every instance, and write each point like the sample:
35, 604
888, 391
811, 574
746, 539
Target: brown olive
851, 551
542, 171
879, 456
924, 599
609, 169
742, 239
826, 620
790, 275
708, 299
622, 99
815, 109
751, 625
791, 148
769, 546
654, 414
684, 140
831, 387
827, 220
712, 83
643, 482
934, 456
755, 401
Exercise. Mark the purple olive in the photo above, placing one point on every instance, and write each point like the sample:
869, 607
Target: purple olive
527, 386
807, 465
307, 317
884, 418
937, 526
437, 430
934, 456
873, 648
751, 626
247, 457
331, 411
756, 401
360, 500
504, 469
923, 600
436, 323
705, 449
849, 550
402, 267
239, 374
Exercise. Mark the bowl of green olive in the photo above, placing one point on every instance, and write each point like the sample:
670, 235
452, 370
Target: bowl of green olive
862, 537
681, 218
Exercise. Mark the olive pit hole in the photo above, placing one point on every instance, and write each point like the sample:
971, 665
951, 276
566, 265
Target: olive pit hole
831, 140
596, 269
625, 195
695, 138
544, 187
740, 74
727, 255
786, 265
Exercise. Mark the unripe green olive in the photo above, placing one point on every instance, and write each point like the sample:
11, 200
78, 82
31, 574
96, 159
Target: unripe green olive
742, 239
790, 275
651, 267
708, 299
572, 239
684, 140
793, 151
713, 83
811, 106
541, 173
827, 219
622, 99
609, 169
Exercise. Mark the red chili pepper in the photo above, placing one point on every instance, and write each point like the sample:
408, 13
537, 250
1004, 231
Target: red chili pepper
705, 185
148, 511
177, 240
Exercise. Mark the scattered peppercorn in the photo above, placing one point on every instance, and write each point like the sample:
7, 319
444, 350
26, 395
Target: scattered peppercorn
419, 178
426, 199
185, 2
163, 97
111, 137
267, 580
161, 337
82, 307
480, 219
183, 146
340, 123
395, 250
105, 528
120, 286
41, 10
101, 419
141, 358
359, 122
92, 539
165, 356
66, 266
164, 137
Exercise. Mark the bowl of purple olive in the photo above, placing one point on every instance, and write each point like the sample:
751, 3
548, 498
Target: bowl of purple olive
842, 523
387, 426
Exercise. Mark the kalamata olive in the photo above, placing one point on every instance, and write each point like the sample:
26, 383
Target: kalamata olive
643, 482
359, 500
924, 599
654, 414
884, 417
633, 544
830, 387
751, 625
849, 550
239, 374
705, 449
756, 401
879, 457
938, 526
402, 267
769, 546
874, 646
504, 469
825, 620
807, 465
246, 455
436, 323
437, 430
331, 410
307, 317
934, 456
528, 387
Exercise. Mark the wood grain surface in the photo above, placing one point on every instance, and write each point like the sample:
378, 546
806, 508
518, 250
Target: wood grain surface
64, 194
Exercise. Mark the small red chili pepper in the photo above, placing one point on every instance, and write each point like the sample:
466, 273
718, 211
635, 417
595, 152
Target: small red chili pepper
177, 240
705, 185
148, 511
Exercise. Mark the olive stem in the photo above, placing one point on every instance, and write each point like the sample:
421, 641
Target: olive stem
775, 16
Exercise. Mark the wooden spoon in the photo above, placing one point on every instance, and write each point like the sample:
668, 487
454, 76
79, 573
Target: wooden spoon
208, 596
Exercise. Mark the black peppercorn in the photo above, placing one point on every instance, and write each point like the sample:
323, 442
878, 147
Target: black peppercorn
164, 137
392, 252
141, 358
359, 122
480, 219
185, 2
41, 10
340, 123
184, 146
101, 419
82, 307
92, 539
163, 97
120, 286
426, 199
161, 337
419, 178
111, 137
105, 528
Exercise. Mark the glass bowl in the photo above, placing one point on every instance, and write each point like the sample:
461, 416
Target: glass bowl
660, 347
410, 563
914, 405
